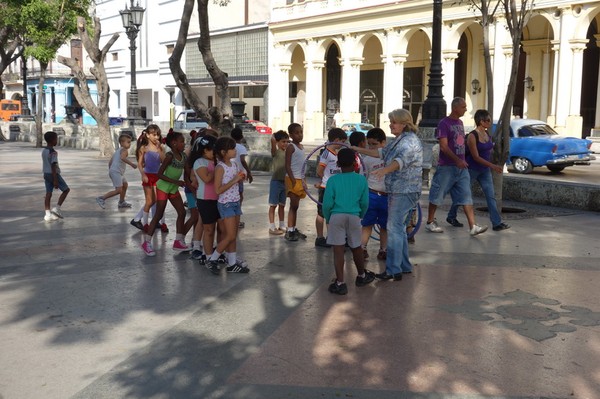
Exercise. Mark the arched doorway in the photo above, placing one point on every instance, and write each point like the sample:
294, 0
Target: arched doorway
460, 67
371, 82
415, 69
333, 77
297, 86
589, 78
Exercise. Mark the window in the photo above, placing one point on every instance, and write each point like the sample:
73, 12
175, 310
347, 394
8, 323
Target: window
115, 56
170, 48
234, 92
254, 91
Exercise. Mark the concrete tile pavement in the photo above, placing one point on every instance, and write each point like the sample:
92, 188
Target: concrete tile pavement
84, 314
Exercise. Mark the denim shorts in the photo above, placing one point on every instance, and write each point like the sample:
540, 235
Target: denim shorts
277, 192
451, 179
191, 200
49, 181
229, 209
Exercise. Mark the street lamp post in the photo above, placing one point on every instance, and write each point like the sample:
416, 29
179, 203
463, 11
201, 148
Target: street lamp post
24, 103
132, 18
434, 107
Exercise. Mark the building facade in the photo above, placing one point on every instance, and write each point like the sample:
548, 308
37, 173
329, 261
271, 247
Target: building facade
335, 61
238, 42
58, 101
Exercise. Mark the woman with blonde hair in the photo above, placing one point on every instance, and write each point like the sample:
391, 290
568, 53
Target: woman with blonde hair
403, 159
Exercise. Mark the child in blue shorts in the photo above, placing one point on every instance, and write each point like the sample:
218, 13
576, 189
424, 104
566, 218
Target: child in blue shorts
277, 191
378, 201
52, 177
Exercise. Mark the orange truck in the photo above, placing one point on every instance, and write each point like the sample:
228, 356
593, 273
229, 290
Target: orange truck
9, 108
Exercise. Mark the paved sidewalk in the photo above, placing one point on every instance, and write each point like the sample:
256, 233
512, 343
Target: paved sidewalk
85, 314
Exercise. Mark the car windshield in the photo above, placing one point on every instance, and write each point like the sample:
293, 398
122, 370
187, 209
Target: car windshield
536, 130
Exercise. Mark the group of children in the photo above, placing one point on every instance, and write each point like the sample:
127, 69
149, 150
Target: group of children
212, 170
350, 203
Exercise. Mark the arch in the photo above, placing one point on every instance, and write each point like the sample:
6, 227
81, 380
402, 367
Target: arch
455, 33
409, 35
586, 16
538, 27
324, 45
297, 58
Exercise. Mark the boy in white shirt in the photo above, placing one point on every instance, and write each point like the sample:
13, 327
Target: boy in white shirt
116, 172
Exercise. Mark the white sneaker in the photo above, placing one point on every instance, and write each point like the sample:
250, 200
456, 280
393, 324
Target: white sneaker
477, 230
50, 217
100, 201
124, 204
56, 211
433, 227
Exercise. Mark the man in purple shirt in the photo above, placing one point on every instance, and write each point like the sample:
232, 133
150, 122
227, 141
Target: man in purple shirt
452, 174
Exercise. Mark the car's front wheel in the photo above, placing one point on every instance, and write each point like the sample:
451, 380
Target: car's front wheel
522, 165
555, 168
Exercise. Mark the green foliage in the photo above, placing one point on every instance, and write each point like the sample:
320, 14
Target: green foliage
48, 24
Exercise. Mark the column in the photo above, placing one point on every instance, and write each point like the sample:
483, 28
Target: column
279, 97
574, 119
349, 103
555, 51
508, 55
314, 117
500, 37
393, 84
577, 46
449, 57
545, 84
565, 69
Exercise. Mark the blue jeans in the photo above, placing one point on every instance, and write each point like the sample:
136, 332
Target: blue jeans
397, 248
484, 177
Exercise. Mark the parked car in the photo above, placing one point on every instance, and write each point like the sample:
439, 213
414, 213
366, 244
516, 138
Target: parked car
252, 125
534, 143
350, 128
115, 120
187, 121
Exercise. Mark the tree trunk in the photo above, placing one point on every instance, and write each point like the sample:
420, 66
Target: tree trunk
98, 110
218, 76
218, 117
175, 63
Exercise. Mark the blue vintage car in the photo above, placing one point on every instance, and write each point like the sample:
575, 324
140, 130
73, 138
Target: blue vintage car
534, 143
350, 128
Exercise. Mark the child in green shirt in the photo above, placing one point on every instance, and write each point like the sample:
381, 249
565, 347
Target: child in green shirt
345, 202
